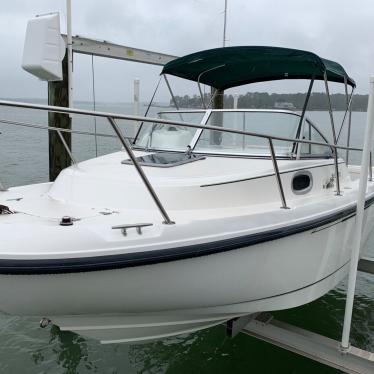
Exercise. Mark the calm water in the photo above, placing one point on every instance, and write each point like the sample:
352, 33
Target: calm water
25, 348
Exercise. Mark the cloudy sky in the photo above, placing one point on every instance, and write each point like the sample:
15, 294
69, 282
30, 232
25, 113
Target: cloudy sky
340, 30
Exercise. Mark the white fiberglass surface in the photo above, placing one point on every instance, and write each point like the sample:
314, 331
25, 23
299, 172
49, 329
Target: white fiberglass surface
169, 137
269, 123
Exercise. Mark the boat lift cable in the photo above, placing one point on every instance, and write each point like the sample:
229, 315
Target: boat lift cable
94, 99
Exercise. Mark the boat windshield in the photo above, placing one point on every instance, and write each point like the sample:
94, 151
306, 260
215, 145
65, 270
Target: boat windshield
273, 123
169, 137
268, 122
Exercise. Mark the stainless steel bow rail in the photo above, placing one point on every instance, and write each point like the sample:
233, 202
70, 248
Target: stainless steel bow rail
112, 117
350, 360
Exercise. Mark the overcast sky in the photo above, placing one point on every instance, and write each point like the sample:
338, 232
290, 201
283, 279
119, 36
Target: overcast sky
339, 30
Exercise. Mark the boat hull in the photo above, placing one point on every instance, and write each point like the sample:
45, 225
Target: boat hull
163, 299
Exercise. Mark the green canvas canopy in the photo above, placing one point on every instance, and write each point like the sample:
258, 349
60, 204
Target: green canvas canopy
227, 67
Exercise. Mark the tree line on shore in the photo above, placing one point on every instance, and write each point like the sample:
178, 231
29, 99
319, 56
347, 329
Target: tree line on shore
264, 100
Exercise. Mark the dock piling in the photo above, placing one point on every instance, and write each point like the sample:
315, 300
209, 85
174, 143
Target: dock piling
58, 95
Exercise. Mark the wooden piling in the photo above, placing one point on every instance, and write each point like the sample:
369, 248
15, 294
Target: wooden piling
218, 100
59, 158
217, 117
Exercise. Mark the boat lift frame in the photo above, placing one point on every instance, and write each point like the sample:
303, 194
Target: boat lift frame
303, 342
314, 346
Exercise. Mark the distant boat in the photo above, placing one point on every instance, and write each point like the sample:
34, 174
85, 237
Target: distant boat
284, 105
159, 105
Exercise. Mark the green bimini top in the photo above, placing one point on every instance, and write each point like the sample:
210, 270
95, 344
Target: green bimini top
228, 67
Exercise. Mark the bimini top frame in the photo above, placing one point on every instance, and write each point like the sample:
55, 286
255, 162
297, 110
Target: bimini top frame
223, 68
228, 67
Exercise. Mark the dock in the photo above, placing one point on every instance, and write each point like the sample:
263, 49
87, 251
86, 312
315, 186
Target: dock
314, 346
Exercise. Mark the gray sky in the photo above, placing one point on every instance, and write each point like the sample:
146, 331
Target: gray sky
339, 30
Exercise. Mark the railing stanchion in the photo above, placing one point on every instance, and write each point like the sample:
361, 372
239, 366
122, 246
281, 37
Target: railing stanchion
277, 175
337, 171
140, 171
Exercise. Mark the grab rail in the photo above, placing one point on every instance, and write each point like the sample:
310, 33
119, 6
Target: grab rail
57, 109
277, 174
111, 117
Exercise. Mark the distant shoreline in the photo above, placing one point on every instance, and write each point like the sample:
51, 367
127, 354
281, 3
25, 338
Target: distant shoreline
247, 101
264, 100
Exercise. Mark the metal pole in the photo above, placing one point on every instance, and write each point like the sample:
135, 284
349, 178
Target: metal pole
224, 25
173, 97
140, 171
136, 96
345, 115
70, 51
310, 137
349, 133
201, 94
371, 168
199, 85
337, 172
299, 128
359, 219
330, 108
67, 147
146, 112
346, 90
171, 93
94, 101
277, 175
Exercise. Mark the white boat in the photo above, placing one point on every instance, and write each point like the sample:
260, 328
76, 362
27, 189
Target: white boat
256, 215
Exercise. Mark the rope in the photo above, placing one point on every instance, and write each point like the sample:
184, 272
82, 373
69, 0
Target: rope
94, 100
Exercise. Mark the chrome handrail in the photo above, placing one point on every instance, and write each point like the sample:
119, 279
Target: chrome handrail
133, 118
53, 128
277, 174
140, 171
111, 117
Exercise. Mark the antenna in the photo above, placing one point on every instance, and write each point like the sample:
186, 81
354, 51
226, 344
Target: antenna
224, 24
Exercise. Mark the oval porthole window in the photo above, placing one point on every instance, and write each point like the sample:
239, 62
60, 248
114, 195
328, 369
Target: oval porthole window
302, 182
